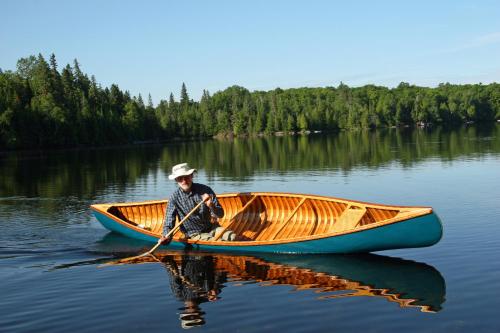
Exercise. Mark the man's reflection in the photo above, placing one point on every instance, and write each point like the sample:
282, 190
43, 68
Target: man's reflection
194, 280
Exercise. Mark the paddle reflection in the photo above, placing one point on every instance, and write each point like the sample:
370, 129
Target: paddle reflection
196, 278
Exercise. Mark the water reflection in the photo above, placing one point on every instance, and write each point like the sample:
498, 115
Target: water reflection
86, 173
196, 278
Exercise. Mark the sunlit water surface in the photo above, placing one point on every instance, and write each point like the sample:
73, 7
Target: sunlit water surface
53, 253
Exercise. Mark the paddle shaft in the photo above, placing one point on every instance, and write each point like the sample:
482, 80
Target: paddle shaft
171, 232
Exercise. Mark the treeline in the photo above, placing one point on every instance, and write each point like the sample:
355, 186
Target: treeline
42, 107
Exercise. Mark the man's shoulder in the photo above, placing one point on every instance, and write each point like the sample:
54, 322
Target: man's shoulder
175, 195
202, 188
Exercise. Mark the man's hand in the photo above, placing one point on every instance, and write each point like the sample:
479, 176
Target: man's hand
164, 240
207, 199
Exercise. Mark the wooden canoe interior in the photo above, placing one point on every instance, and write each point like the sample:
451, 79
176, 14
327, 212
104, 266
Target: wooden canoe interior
272, 216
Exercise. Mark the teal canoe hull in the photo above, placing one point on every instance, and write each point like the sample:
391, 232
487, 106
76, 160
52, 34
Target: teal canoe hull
419, 231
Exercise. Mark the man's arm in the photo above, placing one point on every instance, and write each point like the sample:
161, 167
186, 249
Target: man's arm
214, 205
170, 215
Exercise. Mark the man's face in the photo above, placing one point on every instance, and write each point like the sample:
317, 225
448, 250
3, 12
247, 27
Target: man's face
185, 182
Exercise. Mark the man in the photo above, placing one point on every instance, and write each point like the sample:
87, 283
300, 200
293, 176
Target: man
199, 225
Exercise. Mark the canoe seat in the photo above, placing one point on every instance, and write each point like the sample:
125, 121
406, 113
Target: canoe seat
349, 219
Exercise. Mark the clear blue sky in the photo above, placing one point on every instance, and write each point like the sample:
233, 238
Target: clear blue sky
153, 46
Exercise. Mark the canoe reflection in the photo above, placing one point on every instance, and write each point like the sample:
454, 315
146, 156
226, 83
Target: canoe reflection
196, 278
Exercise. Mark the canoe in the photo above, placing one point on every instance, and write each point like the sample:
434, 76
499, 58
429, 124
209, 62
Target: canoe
287, 223
408, 283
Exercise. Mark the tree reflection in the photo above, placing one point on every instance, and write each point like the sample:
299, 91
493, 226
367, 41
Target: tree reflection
86, 173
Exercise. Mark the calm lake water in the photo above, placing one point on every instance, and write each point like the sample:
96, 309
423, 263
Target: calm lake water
53, 251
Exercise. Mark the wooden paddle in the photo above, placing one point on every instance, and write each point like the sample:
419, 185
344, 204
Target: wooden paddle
171, 233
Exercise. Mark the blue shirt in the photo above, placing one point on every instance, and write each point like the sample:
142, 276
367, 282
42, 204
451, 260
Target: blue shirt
181, 203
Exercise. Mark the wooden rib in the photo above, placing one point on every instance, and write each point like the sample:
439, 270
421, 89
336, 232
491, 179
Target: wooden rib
136, 214
271, 217
303, 225
281, 206
382, 214
239, 222
127, 212
267, 221
158, 219
228, 212
230, 206
149, 216
123, 212
283, 225
367, 218
140, 214
270, 207
322, 220
216, 238
248, 218
236, 214
311, 217
330, 215
293, 228
296, 224
283, 209
262, 219
252, 222
144, 216
317, 215
130, 213
154, 216
161, 217
306, 221
283, 218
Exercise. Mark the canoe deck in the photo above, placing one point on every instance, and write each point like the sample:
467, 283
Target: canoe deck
269, 218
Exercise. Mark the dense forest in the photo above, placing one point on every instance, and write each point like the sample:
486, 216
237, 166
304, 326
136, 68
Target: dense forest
43, 107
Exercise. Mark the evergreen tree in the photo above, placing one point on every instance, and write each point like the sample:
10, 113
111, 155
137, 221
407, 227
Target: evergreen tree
184, 96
